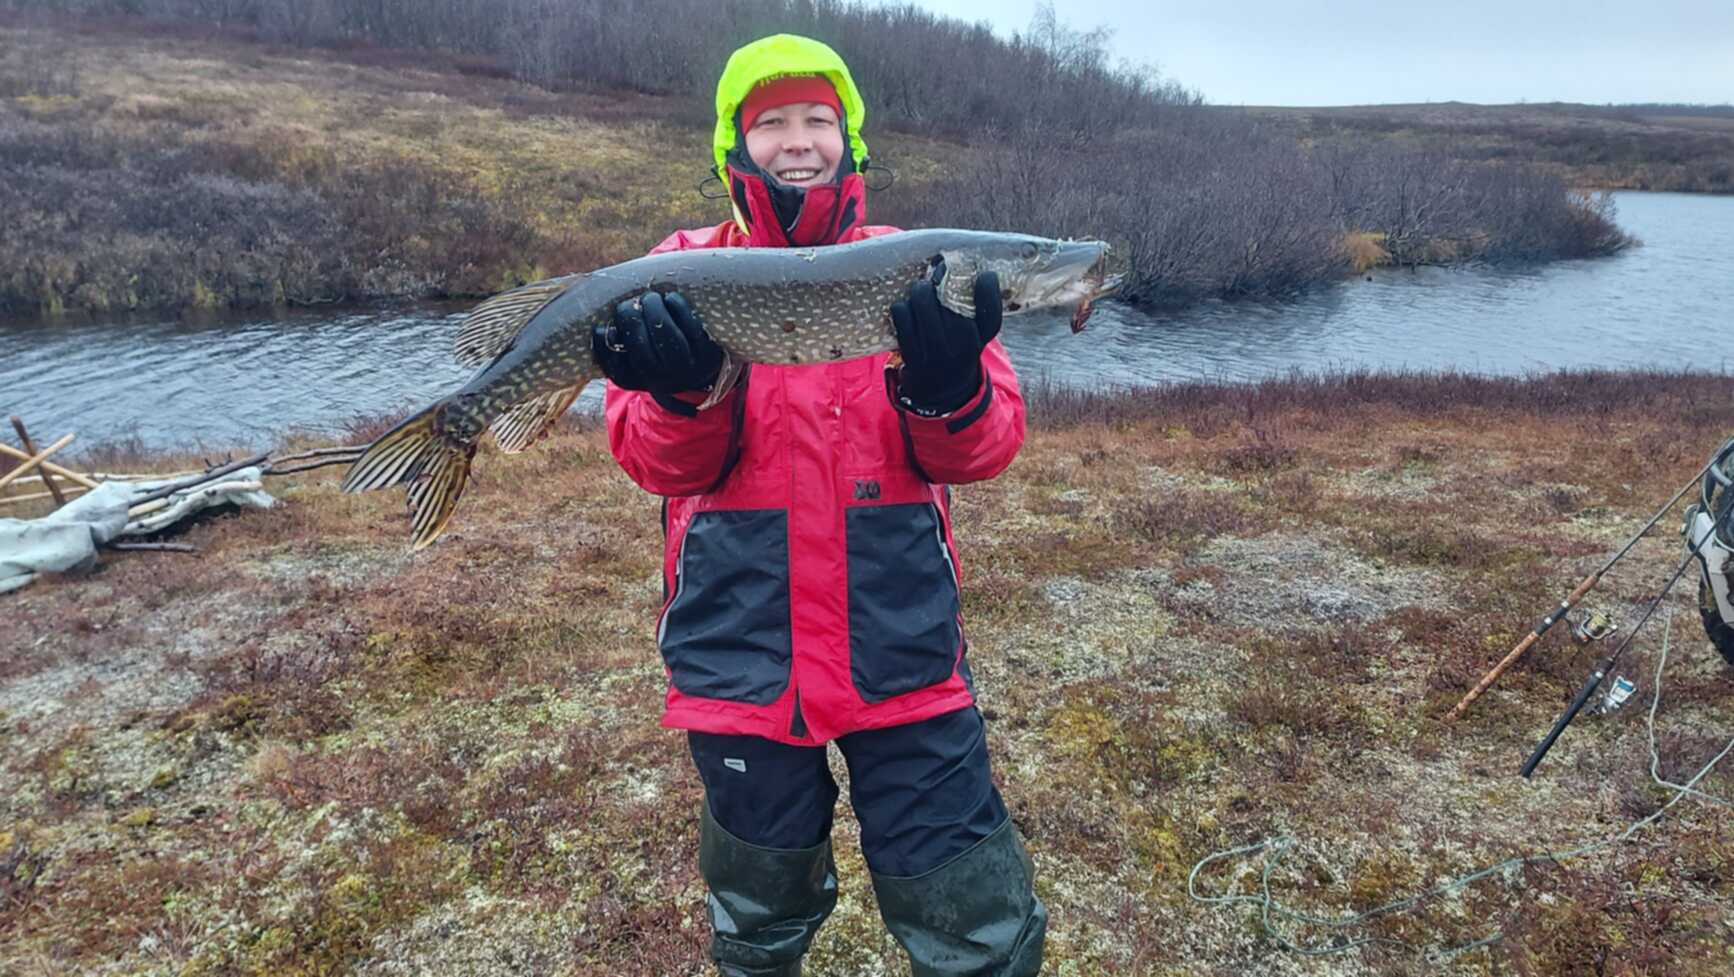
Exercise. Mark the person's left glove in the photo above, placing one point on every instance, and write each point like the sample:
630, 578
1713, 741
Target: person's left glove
941, 349
657, 343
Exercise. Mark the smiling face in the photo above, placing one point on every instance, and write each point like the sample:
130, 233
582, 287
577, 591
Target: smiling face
800, 143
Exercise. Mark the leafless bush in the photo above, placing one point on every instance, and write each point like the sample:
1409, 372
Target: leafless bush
1265, 451
1428, 206
100, 220
301, 22
934, 71
39, 74
1217, 205
1204, 206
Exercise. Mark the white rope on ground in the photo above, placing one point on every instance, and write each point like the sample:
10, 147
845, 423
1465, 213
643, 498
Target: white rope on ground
1271, 909
1656, 756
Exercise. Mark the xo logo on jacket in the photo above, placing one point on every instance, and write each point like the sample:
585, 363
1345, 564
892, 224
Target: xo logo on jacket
865, 491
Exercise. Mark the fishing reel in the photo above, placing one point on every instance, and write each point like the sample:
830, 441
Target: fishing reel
1709, 535
1593, 626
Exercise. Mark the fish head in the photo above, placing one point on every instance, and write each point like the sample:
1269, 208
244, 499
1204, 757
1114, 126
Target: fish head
1035, 273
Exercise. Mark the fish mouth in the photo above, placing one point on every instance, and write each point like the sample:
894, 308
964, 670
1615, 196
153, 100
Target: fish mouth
1081, 278
1100, 284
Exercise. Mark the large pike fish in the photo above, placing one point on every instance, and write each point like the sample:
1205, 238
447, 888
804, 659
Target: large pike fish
761, 305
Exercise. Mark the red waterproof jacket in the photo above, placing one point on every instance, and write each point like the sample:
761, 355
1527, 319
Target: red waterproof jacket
810, 577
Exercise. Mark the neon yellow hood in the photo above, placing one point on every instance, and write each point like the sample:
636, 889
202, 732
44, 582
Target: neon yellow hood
774, 57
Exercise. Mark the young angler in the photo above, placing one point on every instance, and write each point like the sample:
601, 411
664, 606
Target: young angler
810, 573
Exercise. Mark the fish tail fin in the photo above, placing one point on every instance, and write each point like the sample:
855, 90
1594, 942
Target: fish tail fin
434, 496
417, 452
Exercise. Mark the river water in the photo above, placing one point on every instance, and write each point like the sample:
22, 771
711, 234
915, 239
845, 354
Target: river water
231, 381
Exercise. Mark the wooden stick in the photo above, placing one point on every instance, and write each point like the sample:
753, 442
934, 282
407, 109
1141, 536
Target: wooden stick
309, 466
161, 547
100, 477
144, 476
213, 474
50, 467
33, 479
156, 505
10, 499
34, 460
352, 449
146, 509
24, 439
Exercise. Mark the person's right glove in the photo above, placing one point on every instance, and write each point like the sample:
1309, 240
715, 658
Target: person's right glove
657, 343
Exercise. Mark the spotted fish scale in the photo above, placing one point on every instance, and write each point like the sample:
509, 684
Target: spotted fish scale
761, 305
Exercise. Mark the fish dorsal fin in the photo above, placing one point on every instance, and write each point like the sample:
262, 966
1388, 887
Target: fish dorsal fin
528, 420
490, 327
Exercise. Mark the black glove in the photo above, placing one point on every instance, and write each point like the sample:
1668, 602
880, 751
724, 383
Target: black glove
656, 343
941, 349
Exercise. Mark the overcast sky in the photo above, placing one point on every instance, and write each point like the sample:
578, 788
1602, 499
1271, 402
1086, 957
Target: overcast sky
1347, 52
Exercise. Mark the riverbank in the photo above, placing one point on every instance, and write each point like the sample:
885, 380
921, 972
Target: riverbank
1200, 616
166, 166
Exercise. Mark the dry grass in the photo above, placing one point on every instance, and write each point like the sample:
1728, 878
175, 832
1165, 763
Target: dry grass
208, 171
1366, 250
530, 184
1199, 616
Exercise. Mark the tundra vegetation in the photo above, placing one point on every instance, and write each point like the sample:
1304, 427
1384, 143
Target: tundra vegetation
171, 153
1200, 616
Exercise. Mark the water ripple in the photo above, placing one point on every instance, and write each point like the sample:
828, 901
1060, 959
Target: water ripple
241, 380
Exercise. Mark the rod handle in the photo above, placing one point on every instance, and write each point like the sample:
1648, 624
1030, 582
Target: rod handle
1577, 704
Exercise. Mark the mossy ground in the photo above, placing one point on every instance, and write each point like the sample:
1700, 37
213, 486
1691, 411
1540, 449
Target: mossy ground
1199, 618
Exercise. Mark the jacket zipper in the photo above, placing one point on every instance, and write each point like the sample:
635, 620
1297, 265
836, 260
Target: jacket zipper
956, 583
797, 723
945, 551
679, 582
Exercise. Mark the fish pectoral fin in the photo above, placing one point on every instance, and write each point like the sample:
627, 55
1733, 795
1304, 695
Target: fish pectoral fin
490, 327
529, 420
726, 378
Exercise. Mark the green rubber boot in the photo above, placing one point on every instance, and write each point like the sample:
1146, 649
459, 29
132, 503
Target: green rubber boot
765, 904
975, 916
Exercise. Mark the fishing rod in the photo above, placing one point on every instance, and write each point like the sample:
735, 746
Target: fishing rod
1601, 672
1571, 600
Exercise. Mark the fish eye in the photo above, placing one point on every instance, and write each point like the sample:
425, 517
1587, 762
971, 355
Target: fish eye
1029, 251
